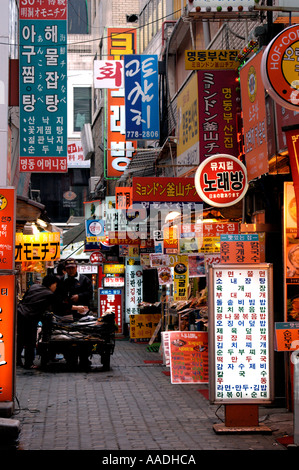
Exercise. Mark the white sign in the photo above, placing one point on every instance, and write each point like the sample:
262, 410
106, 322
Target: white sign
221, 5
108, 74
241, 333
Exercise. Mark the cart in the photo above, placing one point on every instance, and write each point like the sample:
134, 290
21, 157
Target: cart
87, 336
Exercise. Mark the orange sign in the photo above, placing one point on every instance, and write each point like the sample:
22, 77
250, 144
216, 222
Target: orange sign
189, 357
7, 228
7, 334
119, 150
279, 68
240, 249
286, 336
254, 118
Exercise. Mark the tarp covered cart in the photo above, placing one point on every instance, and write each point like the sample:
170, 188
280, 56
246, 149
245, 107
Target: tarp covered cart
87, 336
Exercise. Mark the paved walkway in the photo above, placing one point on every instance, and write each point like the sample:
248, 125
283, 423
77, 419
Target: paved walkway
132, 407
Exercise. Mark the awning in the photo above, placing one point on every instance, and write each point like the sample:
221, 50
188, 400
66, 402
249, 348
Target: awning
74, 234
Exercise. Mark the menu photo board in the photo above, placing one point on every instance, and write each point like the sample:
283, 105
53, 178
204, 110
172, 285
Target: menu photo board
188, 357
241, 334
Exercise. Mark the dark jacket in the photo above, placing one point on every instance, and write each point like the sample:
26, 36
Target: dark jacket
36, 301
68, 286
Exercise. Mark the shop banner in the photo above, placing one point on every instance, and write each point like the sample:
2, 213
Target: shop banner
111, 299
286, 336
221, 180
75, 156
134, 287
43, 86
153, 189
254, 118
240, 248
143, 326
108, 74
189, 357
44, 246
7, 338
217, 110
7, 228
181, 278
142, 97
187, 128
211, 59
279, 68
121, 41
241, 333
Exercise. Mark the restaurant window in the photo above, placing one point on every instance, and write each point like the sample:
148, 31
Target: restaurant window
82, 107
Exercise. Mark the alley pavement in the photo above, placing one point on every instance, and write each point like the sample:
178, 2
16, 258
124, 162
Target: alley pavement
133, 407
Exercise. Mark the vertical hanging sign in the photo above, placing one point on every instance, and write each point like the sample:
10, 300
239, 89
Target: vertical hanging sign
43, 86
7, 322
121, 42
141, 97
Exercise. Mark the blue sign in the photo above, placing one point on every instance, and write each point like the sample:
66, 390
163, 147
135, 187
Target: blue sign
43, 95
141, 97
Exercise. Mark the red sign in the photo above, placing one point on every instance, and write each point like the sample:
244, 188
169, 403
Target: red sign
96, 258
48, 10
189, 357
111, 299
220, 101
7, 316
164, 189
221, 180
7, 228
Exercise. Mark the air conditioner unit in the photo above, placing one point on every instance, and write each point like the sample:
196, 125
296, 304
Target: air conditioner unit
87, 141
93, 181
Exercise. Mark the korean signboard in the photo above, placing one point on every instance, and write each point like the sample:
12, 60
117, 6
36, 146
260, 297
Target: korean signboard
44, 246
43, 86
211, 59
254, 118
242, 248
134, 287
279, 68
7, 228
142, 97
241, 333
119, 150
286, 336
108, 74
180, 278
7, 346
217, 106
187, 127
189, 357
143, 326
111, 299
221, 180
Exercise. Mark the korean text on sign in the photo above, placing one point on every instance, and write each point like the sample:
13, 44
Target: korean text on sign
43, 86
241, 329
141, 97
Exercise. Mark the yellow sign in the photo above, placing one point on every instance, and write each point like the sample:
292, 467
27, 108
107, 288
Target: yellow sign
211, 59
143, 326
181, 278
44, 246
114, 268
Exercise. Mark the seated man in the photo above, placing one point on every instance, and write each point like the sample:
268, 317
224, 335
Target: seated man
74, 291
